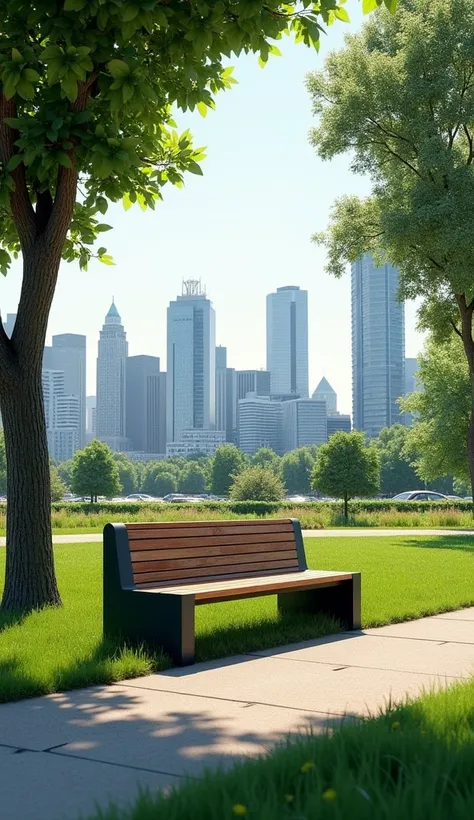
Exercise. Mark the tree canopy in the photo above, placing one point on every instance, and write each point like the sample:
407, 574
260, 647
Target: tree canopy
396, 471
347, 467
257, 484
400, 98
227, 463
438, 440
297, 467
95, 472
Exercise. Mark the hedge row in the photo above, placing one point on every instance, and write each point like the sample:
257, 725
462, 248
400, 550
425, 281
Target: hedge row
264, 507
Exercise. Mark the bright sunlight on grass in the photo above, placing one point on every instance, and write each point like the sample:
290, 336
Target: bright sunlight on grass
61, 649
413, 762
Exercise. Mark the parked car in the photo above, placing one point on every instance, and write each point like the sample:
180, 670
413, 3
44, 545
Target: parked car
139, 497
420, 495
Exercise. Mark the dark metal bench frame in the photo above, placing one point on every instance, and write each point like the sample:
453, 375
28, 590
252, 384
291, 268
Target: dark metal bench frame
143, 616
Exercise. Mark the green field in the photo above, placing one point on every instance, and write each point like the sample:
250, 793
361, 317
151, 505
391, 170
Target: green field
59, 649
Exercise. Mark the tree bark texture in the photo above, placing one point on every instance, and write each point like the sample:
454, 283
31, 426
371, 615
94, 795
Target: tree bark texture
30, 581
466, 312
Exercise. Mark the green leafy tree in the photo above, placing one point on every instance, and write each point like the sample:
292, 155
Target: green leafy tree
193, 479
87, 89
153, 471
438, 441
58, 487
265, 457
399, 97
95, 472
396, 471
64, 469
346, 468
127, 473
164, 483
257, 484
297, 467
227, 463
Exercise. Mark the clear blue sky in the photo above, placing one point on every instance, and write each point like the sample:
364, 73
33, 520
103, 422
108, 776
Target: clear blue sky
244, 228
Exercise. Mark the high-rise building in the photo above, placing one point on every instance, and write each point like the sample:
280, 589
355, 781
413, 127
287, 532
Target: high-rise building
231, 406
411, 384
143, 398
91, 417
62, 413
221, 387
256, 382
111, 381
287, 341
304, 423
196, 441
191, 355
68, 353
9, 324
259, 424
378, 346
162, 414
338, 422
324, 392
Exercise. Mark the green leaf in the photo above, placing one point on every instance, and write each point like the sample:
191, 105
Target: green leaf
391, 5
13, 122
202, 108
102, 227
74, 5
64, 159
14, 162
118, 69
130, 12
25, 89
101, 251
106, 259
69, 87
342, 14
127, 202
102, 204
368, 6
51, 53
194, 168
52, 136
30, 75
16, 56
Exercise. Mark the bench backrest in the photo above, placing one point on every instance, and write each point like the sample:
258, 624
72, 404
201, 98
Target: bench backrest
168, 553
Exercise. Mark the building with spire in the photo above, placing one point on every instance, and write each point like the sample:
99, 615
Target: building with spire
111, 382
324, 392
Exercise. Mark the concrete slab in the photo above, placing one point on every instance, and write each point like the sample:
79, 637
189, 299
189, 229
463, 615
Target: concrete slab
147, 728
460, 615
37, 786
430, 629
369, 651
299, 684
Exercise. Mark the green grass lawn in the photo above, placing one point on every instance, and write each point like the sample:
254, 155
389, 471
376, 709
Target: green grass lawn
59, 649
413, 763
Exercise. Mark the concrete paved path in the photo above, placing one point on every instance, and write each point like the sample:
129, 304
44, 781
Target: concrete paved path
350, 532
63, 754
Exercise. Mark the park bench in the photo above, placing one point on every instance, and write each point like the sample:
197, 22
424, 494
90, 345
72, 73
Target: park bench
155, 575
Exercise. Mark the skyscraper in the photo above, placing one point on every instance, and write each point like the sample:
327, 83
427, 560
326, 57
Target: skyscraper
191, 357
304, 423
253, 381
62, 413
378, 346
68, 353
287, 341
143, 399
221, 387
324, 392
259, 424
111, 381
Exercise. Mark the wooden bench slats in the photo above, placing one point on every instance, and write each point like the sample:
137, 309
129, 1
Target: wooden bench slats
237, 549
190, 573
209, 561
231, 587
205, 532
201, 544
197, 525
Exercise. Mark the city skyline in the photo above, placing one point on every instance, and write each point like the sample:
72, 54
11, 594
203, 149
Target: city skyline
243, 233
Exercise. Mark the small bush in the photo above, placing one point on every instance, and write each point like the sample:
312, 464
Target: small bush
257, 484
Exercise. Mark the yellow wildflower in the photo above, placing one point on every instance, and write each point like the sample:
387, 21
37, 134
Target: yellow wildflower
329, 794
240, 810
306, 767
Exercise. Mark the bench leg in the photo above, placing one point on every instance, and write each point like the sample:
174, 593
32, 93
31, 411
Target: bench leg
157, 620
341, 601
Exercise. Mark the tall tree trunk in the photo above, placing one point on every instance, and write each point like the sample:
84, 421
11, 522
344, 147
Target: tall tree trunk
346, 510
30, 579
466, 311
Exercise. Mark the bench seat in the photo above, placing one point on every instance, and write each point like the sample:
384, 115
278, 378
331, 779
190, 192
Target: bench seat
156, 574
241, 587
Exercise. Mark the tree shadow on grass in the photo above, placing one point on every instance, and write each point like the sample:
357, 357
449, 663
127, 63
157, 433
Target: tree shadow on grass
461, 543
